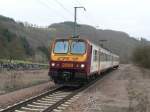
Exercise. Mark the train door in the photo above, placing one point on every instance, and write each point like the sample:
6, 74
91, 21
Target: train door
91, 59
99, 60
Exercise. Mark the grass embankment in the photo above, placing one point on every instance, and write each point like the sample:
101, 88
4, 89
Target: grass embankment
141, 56
14, 80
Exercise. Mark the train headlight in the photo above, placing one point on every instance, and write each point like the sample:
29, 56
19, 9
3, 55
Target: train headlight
82, 65
52, 64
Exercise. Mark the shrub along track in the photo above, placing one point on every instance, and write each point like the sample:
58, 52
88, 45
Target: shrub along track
53, 100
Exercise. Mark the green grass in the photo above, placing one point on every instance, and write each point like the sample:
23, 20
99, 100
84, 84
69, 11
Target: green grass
21, 61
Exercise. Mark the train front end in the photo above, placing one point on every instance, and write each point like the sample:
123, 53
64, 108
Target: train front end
69, 61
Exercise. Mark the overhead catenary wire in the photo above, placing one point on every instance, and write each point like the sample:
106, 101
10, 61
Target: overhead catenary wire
47, 6
78, 2
75, 5
47, 2
61, 5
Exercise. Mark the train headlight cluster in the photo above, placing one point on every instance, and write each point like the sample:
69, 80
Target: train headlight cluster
52, 64
82, 65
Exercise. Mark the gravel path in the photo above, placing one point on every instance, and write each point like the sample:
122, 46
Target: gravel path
13, 97
124, 90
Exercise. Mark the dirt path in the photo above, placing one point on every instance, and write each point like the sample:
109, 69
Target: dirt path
124, 90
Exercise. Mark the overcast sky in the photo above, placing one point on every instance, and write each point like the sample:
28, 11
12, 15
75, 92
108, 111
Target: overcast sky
131, 16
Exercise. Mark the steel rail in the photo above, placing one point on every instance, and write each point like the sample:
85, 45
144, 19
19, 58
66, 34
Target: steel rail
57, 102
54, 106
30, 100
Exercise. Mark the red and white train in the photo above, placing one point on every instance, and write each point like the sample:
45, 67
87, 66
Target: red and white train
76, 60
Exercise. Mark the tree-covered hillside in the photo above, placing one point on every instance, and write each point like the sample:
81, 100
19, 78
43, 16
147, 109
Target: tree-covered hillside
23, 41
12, 46
118, 42
18, 41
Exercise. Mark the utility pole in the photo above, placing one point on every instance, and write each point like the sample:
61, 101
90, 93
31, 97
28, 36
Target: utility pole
96, 30
75, 20
101, 42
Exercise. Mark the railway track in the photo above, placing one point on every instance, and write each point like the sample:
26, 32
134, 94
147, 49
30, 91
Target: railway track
54, 100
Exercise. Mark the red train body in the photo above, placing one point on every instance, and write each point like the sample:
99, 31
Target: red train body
75, 61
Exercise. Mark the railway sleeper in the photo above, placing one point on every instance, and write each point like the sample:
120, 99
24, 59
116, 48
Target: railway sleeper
41, 104
36, 106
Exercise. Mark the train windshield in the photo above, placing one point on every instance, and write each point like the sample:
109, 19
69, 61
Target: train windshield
61, 46
78, 47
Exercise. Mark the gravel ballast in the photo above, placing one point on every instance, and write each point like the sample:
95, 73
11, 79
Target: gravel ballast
124, 90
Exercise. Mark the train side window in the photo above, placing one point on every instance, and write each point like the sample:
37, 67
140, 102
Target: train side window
105, 57
115, 59
95, 55
108, 57
102, 56
91, 49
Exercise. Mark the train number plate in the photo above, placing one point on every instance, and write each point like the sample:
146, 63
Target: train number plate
67, 65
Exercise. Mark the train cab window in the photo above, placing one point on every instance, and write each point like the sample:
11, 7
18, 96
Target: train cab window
61, 46
78, 47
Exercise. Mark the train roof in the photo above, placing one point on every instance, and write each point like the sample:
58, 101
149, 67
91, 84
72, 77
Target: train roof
104, 49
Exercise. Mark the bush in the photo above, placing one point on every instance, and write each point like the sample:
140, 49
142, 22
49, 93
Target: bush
13, 46
44, 50
141, 56
27, 48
